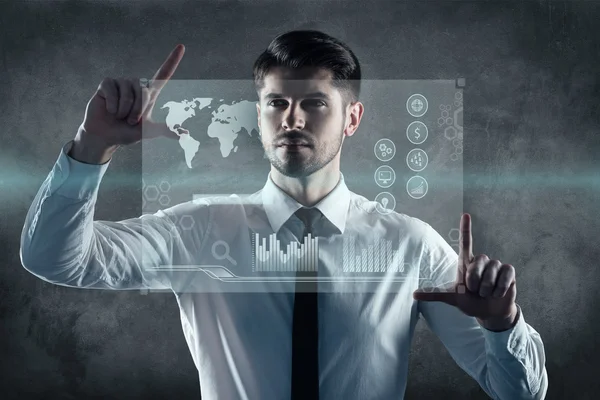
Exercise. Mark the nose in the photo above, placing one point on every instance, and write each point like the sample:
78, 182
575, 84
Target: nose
293, 120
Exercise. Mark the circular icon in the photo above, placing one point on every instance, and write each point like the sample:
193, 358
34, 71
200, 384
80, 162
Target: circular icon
225, 254
387, 202
417, 105
417, 160
417, 132
385, 149
417, 187
385, 176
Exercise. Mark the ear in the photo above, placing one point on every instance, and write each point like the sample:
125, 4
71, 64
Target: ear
354, 115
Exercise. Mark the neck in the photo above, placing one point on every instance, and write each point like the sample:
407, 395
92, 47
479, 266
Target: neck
309, 190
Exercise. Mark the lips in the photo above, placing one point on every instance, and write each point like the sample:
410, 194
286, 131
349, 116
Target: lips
293, 144
293, 148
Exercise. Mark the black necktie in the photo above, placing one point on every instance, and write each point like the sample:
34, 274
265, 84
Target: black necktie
305, 332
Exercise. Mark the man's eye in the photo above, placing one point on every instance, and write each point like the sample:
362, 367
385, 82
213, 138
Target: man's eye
315, 102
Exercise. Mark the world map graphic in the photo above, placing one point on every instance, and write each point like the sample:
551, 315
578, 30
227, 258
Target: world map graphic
227, 123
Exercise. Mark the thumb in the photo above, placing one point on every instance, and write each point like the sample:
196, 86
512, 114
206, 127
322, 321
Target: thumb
434, 294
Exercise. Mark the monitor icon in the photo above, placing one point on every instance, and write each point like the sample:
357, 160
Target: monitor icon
385, 176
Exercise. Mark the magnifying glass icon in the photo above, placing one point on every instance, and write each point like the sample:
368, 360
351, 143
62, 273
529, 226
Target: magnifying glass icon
225, 255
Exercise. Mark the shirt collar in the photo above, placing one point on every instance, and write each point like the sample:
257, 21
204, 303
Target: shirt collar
279, 206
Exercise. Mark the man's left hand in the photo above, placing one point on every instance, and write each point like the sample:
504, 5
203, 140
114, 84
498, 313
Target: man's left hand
484, 288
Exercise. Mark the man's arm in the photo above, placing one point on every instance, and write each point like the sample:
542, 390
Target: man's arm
508, 365
62, 244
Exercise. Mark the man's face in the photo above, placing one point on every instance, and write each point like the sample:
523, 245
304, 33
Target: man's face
300, 106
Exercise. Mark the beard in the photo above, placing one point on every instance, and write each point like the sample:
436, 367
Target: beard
307, 161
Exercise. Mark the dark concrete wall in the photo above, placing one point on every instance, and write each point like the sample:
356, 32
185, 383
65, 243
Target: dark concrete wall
531, 157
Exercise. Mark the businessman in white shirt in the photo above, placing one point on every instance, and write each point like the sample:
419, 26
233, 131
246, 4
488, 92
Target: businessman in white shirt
317, 335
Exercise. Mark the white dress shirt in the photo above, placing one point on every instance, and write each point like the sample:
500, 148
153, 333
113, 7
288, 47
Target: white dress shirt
240, 333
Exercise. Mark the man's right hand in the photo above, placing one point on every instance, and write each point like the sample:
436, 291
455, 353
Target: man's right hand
120, 107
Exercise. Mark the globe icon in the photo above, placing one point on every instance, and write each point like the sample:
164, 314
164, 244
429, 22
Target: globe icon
417, 105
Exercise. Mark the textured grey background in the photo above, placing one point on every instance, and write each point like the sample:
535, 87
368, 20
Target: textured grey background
530, 160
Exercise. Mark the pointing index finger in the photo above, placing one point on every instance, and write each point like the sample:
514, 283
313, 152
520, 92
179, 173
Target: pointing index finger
466, 238
166, 70
465, 254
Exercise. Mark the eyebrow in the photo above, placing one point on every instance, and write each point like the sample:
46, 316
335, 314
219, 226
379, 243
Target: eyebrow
315, 94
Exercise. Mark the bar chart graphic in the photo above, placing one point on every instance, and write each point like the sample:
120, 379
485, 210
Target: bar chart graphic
268, 256
376, 257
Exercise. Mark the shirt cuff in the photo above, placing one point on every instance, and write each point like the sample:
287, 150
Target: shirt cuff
510, 343
74, 179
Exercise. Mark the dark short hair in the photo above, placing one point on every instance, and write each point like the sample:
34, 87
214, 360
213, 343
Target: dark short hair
311, 48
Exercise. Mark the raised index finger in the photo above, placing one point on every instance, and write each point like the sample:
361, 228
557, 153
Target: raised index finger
466, 239
167, 69
465, 254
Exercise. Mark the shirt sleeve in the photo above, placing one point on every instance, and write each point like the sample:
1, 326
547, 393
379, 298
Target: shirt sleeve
63, 245
508, 365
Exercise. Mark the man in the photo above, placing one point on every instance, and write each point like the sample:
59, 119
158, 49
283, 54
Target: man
342, 339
